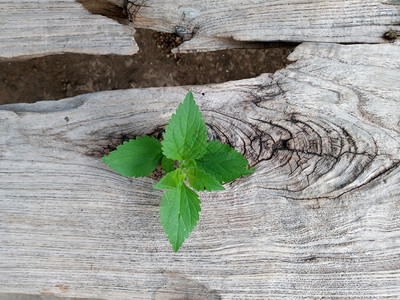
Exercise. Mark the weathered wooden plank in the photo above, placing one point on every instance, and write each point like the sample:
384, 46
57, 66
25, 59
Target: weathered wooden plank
320, 218
42, 27
350, 21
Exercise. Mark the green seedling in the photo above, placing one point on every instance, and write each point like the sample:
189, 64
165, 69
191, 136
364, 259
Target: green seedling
188, 160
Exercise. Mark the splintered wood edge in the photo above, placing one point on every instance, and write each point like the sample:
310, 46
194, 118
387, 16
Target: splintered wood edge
206, 44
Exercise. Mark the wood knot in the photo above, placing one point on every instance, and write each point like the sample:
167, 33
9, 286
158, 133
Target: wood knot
185, 32
302, 157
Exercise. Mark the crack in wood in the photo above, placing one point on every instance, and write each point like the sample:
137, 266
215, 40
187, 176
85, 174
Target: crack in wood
133, 7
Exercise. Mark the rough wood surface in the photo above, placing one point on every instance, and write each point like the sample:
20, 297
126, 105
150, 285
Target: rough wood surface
43, 27
204, 44
320, 218
350, 21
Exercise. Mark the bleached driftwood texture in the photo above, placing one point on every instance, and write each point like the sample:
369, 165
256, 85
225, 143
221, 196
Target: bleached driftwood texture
43, 27
350, 21
319, 218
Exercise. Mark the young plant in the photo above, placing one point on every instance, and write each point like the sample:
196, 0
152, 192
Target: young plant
187, 159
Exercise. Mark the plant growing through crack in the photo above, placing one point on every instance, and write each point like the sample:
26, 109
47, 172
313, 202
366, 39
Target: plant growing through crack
187, 159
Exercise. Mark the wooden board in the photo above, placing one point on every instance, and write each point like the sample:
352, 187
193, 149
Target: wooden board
44, 27
320, 217
350, 21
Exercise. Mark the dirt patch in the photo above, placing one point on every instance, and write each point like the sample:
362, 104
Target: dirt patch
60, 76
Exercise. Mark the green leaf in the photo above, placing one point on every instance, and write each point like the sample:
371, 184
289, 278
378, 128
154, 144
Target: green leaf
167, 164
179, 212
170, 181
185, 135
187, 164
135, 158
223, 162
200, 181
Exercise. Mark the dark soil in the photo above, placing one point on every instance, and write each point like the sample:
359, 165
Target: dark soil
60, 76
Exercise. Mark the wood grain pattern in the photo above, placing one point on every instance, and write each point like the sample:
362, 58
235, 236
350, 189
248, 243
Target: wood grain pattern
205, 44
320, 217
43, 27
350, 21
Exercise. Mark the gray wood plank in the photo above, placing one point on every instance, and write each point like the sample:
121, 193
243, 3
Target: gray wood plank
320, 217
337, 21
44, 27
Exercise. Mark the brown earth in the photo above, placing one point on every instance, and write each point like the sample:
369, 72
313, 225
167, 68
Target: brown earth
60, 76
